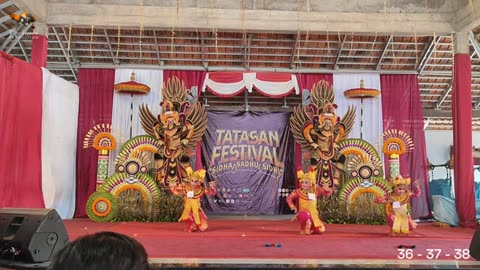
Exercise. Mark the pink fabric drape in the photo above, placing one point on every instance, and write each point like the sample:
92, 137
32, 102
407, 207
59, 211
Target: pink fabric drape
234, 80
191, 79
226, 76
402, 110
306, 82
38, 54
21, 136
462, 141
275, 85
270, 84
96, 102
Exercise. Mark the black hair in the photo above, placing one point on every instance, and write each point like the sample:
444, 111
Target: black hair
102, 251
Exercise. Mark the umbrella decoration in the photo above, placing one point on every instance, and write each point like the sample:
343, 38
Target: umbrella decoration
101, 138
132, 88
361, 93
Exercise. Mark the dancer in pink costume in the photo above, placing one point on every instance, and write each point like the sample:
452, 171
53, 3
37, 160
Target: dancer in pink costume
192, 190
307, 194
398, 206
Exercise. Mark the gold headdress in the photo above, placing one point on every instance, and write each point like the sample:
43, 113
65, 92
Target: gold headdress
399, 180
310, 176
168, 111
328, 113
198, 174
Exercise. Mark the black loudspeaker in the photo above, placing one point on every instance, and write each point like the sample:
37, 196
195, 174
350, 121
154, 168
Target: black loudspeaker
31, 235
475, 245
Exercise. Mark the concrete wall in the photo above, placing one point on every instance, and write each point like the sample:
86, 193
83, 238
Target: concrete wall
411, 6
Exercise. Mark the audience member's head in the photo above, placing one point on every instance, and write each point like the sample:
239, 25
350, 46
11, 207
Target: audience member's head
102, 251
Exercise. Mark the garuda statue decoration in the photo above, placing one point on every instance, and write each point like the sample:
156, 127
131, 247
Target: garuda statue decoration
177, 129
318, 129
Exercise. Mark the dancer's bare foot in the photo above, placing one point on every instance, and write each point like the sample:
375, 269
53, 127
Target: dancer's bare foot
392, 233
202, 227
308, 227
317, 230
192, 228
320, 229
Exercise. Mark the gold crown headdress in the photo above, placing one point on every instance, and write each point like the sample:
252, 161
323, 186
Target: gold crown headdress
198, 174
168, 111
399, 180
310, 176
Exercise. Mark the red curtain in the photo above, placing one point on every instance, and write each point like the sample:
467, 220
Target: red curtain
38, 54
21, 136
402, 110
462, 141
306, 81
96, 102
191, 79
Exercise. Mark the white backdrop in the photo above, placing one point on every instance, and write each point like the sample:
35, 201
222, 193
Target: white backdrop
372, 107
122, 106
438, 150
59, 143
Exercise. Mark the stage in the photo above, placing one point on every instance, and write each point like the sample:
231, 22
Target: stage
246, 242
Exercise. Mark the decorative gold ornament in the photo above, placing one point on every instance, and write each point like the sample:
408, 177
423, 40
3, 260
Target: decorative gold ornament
132, 87
361, 92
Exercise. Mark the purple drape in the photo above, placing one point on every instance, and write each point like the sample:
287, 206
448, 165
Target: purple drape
402, 109
96, 102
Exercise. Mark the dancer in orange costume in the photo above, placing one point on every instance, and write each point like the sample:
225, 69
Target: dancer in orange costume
192, 190
398, 204
307, 194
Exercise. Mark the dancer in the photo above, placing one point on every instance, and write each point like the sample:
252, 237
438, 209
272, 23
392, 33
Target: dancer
398, 206
307, 194
192, 190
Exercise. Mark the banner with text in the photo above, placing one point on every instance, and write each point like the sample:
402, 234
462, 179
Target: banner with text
247, 154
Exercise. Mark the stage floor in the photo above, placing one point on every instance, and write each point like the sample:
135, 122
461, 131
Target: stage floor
244, 242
